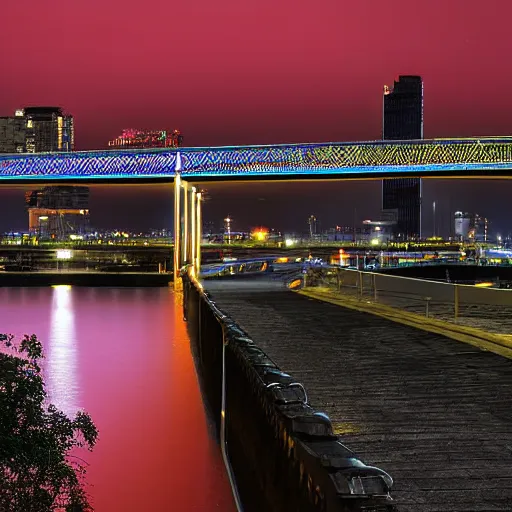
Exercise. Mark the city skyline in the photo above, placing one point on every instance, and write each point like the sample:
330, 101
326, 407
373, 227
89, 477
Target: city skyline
333, 203
244, 74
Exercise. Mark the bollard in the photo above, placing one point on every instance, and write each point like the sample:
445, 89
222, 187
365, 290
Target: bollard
456, 301
427, 302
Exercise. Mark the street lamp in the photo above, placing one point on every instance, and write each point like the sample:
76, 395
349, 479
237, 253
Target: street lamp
434, 215
199, 233
185, 223
227, 222
193, 224
177, 229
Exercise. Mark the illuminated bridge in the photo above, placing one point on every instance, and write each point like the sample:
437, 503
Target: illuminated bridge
438, 157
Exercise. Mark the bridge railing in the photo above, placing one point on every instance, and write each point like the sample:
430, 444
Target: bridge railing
280, 452
485, 308
232, 268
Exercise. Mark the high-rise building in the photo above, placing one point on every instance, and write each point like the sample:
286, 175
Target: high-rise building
58, 212
37, 130
12, 135
47, 129
403, 120
146, 139
471, 227
54, 212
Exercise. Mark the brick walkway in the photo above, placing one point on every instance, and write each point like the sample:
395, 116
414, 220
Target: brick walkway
433, 412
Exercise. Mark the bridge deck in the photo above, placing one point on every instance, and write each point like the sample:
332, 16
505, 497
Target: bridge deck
433, 412
370, 159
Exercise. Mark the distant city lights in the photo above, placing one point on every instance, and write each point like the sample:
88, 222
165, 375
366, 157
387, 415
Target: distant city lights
260, 234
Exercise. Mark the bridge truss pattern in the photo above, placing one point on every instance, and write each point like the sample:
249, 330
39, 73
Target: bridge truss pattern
294, 160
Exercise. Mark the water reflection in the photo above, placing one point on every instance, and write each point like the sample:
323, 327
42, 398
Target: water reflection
124, 357
62, 353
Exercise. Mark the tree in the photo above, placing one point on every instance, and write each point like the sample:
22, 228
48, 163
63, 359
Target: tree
37, 471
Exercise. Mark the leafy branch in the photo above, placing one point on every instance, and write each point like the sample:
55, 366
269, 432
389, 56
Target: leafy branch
37, 471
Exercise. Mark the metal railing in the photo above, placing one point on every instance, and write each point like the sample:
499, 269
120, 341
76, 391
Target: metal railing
489, 309
205, 305
283, 454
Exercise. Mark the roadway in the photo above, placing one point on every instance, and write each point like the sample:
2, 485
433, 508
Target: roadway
433, 412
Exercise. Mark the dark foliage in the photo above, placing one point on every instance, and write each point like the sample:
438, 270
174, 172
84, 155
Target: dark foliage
37, 471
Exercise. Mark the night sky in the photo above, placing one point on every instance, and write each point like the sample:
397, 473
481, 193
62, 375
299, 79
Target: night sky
238, 72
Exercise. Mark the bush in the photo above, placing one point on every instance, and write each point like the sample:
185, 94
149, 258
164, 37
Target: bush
37, 471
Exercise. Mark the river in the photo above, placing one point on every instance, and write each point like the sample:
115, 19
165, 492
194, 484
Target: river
124, 356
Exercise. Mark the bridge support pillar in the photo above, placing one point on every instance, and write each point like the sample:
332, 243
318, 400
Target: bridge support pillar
192, 228
187, 228
177, 231
185, 241
199, 233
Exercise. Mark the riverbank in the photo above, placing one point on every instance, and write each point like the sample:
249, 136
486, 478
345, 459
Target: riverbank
85, 278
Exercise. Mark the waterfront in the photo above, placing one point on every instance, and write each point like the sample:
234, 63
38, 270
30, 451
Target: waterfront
124, 356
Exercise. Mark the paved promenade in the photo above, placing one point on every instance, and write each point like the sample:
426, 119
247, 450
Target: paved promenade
433, 412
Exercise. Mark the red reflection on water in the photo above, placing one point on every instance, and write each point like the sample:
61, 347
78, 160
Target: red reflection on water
134, 373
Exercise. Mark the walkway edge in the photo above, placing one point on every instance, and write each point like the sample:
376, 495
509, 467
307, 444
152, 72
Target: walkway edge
500, 345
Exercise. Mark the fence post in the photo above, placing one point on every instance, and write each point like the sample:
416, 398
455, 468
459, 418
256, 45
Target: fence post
338, 283
456, 300
374, 279
360, 284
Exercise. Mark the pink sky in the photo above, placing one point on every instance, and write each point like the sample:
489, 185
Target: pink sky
236, 72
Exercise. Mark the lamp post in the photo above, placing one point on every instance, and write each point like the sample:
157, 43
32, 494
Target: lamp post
434, 213
199, 233
177, 229
193, 224
185, 223
227, 227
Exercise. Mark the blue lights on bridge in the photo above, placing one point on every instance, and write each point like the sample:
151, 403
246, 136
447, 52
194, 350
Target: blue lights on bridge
415, 158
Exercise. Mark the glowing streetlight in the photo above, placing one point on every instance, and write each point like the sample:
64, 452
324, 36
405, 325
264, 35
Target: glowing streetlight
199, 233
193, 224
185, 251
177, 229
227, 227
